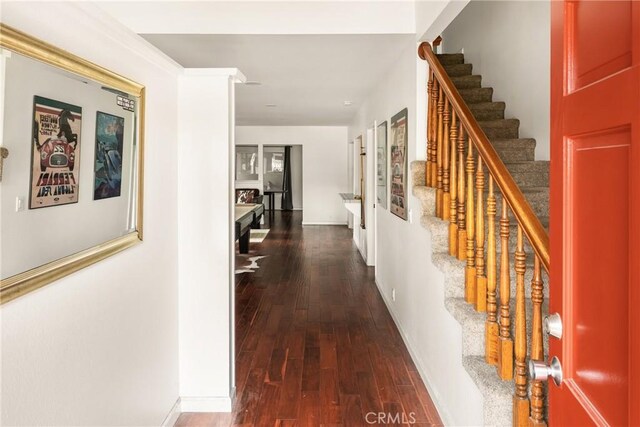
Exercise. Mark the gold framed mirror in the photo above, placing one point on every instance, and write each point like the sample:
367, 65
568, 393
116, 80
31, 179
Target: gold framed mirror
72, 183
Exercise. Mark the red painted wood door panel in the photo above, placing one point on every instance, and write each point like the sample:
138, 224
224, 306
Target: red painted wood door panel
595, 211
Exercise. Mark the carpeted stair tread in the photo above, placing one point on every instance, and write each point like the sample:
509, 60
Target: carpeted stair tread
450, 58
453, 269
418, 168
534, 173
537, 197
473, 322
427, 197
439, 230
527, 173
456, 70
481, 94
500, 129
467, 82
497, 394
515, 149
483, 111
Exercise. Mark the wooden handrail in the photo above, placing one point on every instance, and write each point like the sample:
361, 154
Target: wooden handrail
531, 225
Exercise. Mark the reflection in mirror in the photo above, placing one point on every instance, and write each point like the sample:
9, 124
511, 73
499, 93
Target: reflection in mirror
70, 187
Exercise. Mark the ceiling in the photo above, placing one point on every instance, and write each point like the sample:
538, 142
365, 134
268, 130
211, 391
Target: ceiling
307, 77
267, 16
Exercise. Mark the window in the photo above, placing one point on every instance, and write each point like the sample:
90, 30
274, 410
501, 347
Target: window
274, 162
247, 163
273, 167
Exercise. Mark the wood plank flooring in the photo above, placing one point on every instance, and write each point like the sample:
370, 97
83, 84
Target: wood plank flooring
315, 344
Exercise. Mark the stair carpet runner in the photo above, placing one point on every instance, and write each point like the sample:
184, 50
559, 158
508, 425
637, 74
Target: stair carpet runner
532, 176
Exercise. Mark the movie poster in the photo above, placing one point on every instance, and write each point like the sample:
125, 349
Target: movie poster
55, 158
381, 162
399, 163
108, 157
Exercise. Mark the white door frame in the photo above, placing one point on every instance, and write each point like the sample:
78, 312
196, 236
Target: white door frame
371, 199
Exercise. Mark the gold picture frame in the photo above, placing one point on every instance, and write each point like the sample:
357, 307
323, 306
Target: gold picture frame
30, 280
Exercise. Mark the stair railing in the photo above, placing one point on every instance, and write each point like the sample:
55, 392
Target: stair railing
458, 156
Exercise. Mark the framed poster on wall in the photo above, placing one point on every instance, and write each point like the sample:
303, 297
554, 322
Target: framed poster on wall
108, 156
399, 164
55, 154
381, 165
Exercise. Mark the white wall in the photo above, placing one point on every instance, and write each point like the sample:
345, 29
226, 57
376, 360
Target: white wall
433, 16
87, 222
206, 245
508, 44
324, 165
404, 257
100, 347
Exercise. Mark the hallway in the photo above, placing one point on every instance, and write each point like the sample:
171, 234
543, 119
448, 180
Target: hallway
315, 343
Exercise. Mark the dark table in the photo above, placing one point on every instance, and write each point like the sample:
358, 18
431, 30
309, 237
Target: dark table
272, 198
247, 216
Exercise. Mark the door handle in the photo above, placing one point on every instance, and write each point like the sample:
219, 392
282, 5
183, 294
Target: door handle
553, 325
540, 371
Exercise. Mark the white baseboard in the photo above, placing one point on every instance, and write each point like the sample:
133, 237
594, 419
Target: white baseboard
173, 416
323, 223
206, 404
424, 373
364, 257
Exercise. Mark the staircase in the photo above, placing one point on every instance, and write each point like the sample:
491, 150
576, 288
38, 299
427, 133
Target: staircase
518, 154
532, 178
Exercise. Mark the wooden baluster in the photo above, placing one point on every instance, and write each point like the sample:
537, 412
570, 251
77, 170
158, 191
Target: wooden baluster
505, 355
481, 280
537, 351
462, 228
435, 90
427, 171
439, 153
491, 325
521, 397
470, 271
453, 204
446, 196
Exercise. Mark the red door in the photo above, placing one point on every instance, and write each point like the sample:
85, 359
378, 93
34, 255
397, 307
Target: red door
595, 211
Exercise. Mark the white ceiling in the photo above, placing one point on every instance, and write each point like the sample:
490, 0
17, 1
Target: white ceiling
308, 77
266, 16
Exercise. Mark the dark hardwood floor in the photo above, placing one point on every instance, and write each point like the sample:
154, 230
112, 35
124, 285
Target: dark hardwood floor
315, 343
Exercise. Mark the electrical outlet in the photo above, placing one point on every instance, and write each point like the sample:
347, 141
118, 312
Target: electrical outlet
393, 294
19, 204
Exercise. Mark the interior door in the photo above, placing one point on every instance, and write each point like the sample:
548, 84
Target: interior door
595, 211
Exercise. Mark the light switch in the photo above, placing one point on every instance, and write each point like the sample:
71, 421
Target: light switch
19, 204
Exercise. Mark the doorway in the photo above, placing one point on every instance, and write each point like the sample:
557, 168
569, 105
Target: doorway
263, 168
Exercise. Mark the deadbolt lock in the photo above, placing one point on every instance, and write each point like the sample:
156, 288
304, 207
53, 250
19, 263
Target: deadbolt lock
553, 325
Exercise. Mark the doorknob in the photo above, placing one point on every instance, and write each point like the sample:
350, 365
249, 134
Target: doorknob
553, 325
540, 371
